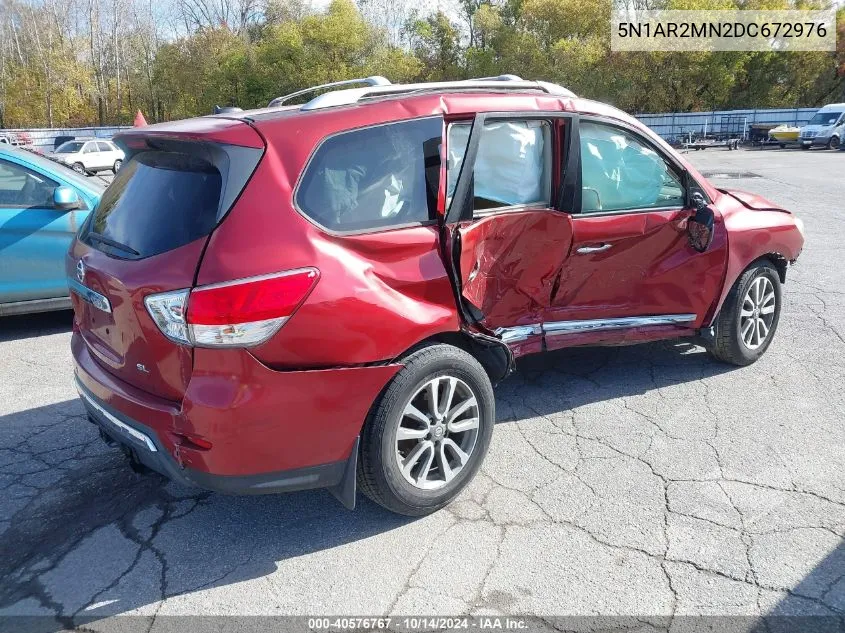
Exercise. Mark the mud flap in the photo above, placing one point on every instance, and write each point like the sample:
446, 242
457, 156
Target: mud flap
345, 490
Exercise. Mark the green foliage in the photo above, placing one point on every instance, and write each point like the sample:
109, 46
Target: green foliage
53, 75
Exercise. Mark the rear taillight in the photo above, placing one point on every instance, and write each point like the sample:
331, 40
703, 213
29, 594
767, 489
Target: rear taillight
168, 311
239, 313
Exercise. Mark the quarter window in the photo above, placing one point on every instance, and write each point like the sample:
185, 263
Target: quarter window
512, 166
621, 173
375, 177
20, 187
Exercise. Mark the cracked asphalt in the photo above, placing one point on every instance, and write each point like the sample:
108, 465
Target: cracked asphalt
646, 481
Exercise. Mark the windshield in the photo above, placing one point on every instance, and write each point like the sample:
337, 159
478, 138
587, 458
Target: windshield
71, 147
825, 118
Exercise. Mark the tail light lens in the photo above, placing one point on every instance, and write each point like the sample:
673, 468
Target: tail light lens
240, 313
168, 311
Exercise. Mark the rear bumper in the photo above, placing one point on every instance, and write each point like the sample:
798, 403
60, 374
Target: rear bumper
143, 445
268, 431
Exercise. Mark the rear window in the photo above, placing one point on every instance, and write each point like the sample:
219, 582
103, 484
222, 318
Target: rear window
71, 147
376, 177
157, 202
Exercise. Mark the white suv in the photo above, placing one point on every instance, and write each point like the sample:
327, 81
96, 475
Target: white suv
89, 156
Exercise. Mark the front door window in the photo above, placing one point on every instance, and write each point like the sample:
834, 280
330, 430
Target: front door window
621, 173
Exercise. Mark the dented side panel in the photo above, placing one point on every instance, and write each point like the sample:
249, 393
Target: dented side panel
285, 419
754, 233
643, 265
510, 262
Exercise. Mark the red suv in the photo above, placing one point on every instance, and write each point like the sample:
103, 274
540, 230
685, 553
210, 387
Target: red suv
323, 295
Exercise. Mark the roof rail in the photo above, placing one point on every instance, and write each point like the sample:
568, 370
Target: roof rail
502, 82
375, 80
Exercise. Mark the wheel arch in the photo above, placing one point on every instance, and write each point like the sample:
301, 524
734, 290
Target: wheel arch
493, 354
777, 259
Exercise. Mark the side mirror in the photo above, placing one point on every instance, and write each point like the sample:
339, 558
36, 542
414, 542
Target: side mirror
700, 226
66, 199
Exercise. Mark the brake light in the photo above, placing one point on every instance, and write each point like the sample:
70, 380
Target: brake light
240, 313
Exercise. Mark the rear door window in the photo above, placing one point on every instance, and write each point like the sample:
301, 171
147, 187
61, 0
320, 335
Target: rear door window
157, 202
104, 147
376, 177
512, 167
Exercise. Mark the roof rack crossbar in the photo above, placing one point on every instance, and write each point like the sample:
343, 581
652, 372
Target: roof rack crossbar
374, 80
502, 82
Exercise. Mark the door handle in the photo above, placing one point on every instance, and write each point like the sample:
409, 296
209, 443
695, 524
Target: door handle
593, 249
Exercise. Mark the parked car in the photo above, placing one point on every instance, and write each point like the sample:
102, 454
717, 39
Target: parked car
89, 156
323, 295
10, 138
42, 204
61, 140
823, 129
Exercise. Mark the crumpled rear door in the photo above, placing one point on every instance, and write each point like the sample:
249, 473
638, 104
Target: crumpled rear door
509, 264
506, 259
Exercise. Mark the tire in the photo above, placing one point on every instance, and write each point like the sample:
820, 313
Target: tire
833, 143
117, 165
783, 145
425, 486
805, 147
734, 343
79, 168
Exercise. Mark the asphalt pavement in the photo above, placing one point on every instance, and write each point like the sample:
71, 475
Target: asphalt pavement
646, 481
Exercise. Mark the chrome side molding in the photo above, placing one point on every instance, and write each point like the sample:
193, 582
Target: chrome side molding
518, 333
557, 328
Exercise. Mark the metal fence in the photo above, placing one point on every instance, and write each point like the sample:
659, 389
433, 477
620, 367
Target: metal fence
675, 125
43, 139
670, 125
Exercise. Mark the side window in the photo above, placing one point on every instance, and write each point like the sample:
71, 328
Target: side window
104, 147
89, 148
374, 177
512, 166
20, 187
621, 173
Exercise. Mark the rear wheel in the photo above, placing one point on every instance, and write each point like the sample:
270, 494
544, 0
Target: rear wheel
117, 164
749, 317
426, 437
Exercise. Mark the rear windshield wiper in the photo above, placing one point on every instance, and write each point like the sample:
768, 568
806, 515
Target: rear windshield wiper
110, 242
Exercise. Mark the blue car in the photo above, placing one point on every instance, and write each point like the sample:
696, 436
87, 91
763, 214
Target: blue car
42, 204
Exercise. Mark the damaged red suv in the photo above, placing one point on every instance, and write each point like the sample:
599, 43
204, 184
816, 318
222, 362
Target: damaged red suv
323, 295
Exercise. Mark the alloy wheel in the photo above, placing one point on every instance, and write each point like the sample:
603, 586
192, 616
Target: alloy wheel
757, 312
437, 432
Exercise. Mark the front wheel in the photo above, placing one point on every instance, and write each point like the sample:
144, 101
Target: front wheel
79, 168
749, 317
833, 143
427, 435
